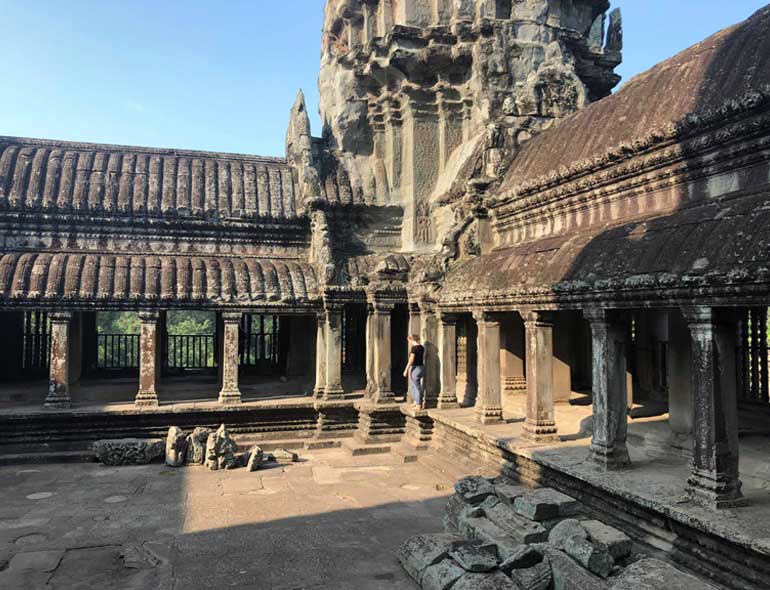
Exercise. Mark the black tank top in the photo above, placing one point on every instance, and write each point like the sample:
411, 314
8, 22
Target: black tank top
419, 354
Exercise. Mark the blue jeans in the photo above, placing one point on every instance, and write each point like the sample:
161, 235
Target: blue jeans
417, 383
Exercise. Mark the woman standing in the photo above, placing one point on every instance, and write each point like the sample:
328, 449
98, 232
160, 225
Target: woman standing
415, 371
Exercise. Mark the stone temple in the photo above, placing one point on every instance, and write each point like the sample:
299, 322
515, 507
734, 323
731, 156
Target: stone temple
589, 273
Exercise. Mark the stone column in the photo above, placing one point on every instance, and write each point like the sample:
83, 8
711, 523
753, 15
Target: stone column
512, 354
489, 407
230, 394
429, 335
147, 395
448, 351
608, 445
540, 424
58, 384
370, 372
381, 321
714, 480
320, 355
333, 388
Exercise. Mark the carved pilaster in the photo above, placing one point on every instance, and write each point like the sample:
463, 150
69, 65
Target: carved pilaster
230, 393
320, 355
448, 349
489, 402
333, 388
147, 396
540, 423
58, 383
381, 321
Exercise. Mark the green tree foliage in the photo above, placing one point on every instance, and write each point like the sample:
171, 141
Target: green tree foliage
117, 322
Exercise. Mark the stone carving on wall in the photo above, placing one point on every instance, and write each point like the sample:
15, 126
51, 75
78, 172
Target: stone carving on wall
128, 451
424, 232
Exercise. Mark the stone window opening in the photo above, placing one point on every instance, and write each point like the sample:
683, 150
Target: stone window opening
503, 9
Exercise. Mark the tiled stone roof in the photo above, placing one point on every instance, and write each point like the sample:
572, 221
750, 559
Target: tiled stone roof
60, 277
77, 178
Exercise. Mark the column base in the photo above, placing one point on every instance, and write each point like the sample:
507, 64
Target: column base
146, 399
493, 415
57, 401
714, 490
609, 459
318, 392
514, 384
333, 392
229, 398
384, 397
541, 432
448, 402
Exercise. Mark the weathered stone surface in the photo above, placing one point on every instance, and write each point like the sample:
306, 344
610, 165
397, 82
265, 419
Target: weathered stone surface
422, 551
545, 503
220, 450
496, 580
616, 542
509, 492
485, 530
256, 458
441, 576
529, 568
568, 574
176, 447
196, 446
474, 489
653, 574
594, 559
458, 512
521, 529
128, 451
565, 530
473, 556
285, 456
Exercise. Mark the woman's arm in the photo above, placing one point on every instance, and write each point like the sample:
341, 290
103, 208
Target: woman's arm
409, 364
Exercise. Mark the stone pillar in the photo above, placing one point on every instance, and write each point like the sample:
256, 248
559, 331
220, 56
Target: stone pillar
230, 394
540, 424
608, 445
429, 335
333, 388
488, 407
147, 396
680, 409
415, 321
320, 355
381, 321
714, 480
448, 350
58, 384
370, 371
512, 354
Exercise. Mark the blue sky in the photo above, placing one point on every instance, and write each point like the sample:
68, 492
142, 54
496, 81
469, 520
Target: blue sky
221, 75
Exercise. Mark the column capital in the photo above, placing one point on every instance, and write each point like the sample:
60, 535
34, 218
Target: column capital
538, 319
60, 317
483, 316
382, 307
448, 319
148, 316
232, 317
320, 315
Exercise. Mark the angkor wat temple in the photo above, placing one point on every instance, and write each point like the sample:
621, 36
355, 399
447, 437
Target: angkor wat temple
589, 271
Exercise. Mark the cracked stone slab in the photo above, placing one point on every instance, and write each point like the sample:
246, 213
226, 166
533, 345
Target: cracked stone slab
616, 542
654, 574
421, 551
545, 504
472, 556
496, 580
474, 489
520, 528
35, 561
441, 576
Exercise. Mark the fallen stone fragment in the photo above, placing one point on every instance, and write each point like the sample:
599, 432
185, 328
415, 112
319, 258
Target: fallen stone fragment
529, 568
220, 450
196, 446
496, 580
568, 574
474, 489
422, 551
457, 513
565, 530
521, 529
441, 576
285, 456
545, 503
128, 451
654, 574
596, 560
176, 447
255, 458
616, 542
508, 492
473, 556
485, 530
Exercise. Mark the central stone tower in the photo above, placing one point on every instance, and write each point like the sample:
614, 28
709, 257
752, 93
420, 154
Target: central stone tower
418, 97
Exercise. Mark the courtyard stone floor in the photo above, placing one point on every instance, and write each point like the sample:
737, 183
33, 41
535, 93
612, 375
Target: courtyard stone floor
329, 521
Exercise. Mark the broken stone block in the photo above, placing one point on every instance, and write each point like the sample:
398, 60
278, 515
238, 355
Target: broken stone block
616, 542
485, 530
176, 447
654, 574
196, 446
220, 450
565, 530
473, 556
595, 560
474, 489
508, 492
521, 529
422, 551
529, 568
457, 513
441, 576
128, 451
496, 580
568, 574
545, 503
285, 456
255, 458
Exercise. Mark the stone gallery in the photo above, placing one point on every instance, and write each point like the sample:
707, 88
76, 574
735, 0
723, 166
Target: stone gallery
588, 272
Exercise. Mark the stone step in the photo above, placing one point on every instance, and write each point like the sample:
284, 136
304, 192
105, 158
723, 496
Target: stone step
366, 449
80, 456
